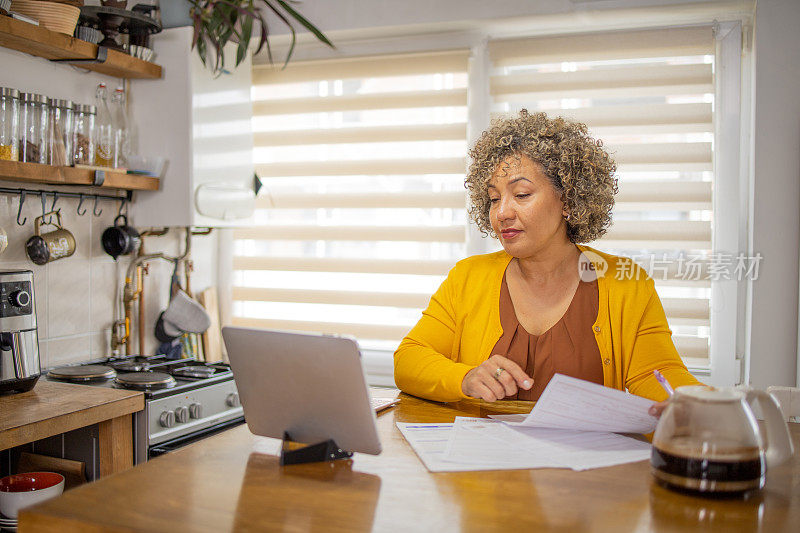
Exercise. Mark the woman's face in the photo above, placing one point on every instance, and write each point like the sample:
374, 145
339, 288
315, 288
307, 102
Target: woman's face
526, 211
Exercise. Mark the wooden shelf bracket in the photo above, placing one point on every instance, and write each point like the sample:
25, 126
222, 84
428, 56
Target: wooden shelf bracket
102, 55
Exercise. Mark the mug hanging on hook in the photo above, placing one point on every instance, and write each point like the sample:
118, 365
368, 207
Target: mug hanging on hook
45, 247
120, 239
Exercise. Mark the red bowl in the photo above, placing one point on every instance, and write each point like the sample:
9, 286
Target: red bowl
30, 481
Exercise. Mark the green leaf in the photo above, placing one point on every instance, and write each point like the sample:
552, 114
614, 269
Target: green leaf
291, 28
310, 27
247, 31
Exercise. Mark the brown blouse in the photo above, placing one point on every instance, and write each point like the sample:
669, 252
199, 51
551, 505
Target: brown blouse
569, 347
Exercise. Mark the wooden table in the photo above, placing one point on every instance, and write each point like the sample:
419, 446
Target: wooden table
231, 482
52, 408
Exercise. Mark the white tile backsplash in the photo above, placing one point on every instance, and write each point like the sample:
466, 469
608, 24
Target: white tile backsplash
75, 296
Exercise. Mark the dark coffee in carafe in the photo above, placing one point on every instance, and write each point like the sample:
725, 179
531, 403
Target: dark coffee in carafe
686, 465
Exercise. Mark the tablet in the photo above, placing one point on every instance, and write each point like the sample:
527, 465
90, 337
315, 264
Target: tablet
309, 386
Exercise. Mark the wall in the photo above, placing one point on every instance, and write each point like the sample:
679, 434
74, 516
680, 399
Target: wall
776, 191
75, 296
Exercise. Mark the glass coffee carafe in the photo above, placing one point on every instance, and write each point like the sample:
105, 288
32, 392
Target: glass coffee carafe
708, 440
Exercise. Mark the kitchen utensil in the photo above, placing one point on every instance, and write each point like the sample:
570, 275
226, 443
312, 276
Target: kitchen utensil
22, 490
148, 165
3, 240
61, 18
212, 338
708, 441
186, 315
19, 341
46, 247
74, 472
89, 34
120, 239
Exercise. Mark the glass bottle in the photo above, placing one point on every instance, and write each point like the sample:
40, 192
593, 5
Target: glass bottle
83, 134
33, 128
60, 132
9, 124
104, 130
121, 130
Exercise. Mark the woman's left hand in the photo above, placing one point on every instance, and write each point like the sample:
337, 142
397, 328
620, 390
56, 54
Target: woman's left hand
657, 408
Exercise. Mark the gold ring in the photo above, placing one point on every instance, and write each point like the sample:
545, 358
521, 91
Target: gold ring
498, 373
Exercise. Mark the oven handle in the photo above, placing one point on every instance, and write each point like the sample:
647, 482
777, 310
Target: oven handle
185, 440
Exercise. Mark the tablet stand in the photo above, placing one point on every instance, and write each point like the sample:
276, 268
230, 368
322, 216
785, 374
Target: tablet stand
322, 451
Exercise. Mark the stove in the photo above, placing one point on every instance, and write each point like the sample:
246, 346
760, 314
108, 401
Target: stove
185, 399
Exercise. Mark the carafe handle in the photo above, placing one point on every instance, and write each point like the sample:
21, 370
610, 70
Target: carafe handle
779, 443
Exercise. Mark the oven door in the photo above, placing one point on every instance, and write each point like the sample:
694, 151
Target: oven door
185, 440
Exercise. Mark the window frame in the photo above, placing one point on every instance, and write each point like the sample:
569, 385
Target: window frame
728, 349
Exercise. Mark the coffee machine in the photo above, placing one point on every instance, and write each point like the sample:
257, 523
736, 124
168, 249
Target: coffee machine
19, 341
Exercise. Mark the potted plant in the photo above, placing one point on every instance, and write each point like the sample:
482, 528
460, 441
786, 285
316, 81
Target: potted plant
219, 22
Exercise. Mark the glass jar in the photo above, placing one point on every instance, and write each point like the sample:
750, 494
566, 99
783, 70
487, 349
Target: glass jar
60, 133
33, 128
9, 124
104, 130
83, 134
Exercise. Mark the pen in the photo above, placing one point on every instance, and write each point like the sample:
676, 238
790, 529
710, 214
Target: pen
663, 381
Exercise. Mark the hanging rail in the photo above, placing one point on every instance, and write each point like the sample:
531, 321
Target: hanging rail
22, 193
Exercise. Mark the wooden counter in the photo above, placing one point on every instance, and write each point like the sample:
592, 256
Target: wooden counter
231, 482
52, 408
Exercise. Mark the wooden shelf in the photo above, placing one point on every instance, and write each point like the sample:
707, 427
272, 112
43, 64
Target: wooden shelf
36, 173
41, 42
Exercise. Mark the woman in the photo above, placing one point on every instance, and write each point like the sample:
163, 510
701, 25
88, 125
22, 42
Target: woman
502, 324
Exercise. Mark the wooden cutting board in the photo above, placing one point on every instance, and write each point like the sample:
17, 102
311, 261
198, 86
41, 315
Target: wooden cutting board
212, 338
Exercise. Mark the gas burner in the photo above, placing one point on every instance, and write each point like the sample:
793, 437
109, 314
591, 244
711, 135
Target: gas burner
83, 373
145, 380
129, 366
196, 371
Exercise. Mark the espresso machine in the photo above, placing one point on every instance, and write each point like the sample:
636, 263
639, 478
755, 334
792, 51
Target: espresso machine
19, 342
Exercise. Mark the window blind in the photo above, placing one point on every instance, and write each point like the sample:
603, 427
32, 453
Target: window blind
362, 213
649, 95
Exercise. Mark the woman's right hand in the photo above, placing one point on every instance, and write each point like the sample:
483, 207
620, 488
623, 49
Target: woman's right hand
483, 381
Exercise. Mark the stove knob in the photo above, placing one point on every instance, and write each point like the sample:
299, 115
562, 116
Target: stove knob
233, 400
196, 410
167, 419
20, 298
182, 414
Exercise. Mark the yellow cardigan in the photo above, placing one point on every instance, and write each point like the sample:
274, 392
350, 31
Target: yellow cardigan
462, 324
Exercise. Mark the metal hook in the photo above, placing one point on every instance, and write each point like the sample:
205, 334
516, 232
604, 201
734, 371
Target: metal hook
43, 197
80, 203
95, 212
122, 204
19, 212
53, 207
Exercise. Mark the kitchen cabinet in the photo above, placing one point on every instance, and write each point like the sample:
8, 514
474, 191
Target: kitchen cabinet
202, 126
52, 408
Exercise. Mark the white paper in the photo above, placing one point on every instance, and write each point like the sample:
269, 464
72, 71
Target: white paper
430, 442
486, 442
581, 450
571, 403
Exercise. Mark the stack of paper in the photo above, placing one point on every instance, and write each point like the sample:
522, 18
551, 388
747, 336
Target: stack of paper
573, 425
